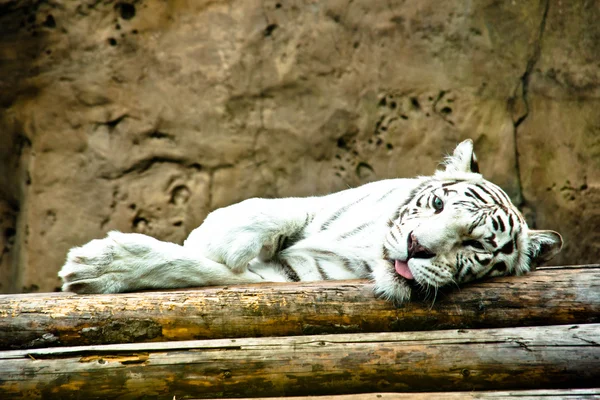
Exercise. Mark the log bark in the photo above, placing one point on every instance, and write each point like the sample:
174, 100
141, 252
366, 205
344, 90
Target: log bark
490, 359
556, 394
559, 295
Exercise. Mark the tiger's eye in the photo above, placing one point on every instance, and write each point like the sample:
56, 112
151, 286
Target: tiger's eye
438, 204
476, 244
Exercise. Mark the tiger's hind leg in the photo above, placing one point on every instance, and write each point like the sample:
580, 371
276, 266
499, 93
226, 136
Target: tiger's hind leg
124, 262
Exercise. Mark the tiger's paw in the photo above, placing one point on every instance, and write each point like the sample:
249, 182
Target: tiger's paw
99, 266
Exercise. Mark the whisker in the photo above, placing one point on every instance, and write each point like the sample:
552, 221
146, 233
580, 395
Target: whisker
434, 297
452, 281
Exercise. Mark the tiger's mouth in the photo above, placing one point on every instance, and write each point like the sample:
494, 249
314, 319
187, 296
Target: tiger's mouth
403, 270
414, 250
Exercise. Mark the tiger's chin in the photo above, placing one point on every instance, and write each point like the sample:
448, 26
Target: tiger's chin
390, 285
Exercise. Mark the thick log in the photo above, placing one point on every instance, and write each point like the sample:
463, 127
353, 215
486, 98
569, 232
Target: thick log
556, 394
560, 295
501, 359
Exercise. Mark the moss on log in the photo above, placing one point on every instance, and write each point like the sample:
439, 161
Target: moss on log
560, 295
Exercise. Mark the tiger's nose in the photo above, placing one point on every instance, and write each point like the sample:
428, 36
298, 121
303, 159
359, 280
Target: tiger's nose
416, 250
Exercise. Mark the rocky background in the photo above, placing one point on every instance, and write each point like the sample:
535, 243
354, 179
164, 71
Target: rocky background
145, 115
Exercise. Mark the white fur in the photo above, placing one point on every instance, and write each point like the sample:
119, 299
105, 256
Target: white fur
344, 235
229, 241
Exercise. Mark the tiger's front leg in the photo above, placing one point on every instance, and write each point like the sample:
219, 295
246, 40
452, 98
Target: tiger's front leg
237, 234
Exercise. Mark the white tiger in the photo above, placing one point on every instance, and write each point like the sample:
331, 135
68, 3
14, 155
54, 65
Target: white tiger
452, 227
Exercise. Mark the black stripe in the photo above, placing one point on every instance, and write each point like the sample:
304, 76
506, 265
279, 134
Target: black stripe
387, 194
404, 212
490, 240
356, 230
494, 224
419, 189
469, 195
425, 186
285, 242
280, 242
500, 192
508, 248
465, 272
500, 267
392, 234
289, 272
494, 198
448, 191
308, 220
469, 205
289, 241
367, 267
339, 213
501, 223
446, 184
476, 223
419, 201
385, 254
387, 242
324, 253
480, 219
413, 193
470, 192
322, 272
459, 265
347, 264
397, 214
483, 261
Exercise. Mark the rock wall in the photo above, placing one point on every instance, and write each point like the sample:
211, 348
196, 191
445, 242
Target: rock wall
144, 115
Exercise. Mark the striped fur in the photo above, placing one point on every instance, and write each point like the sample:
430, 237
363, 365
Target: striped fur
449, 228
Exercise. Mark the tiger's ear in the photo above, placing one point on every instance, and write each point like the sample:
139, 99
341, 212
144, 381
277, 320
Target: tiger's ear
543, 245
463, 159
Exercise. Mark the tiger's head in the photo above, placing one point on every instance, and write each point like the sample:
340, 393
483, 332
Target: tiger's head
456, 227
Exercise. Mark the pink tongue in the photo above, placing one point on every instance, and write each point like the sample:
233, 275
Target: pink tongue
403, 270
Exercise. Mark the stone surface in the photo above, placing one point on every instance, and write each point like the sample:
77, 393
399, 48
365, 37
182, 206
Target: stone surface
143, 116
559, 141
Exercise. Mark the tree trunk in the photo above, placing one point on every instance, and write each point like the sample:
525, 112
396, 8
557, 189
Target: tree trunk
492, 359
560, 295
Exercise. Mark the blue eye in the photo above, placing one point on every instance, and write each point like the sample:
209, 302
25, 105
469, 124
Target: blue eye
437, 204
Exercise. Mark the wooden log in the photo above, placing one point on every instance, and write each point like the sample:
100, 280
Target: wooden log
556, 394
565, 295
550, 357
